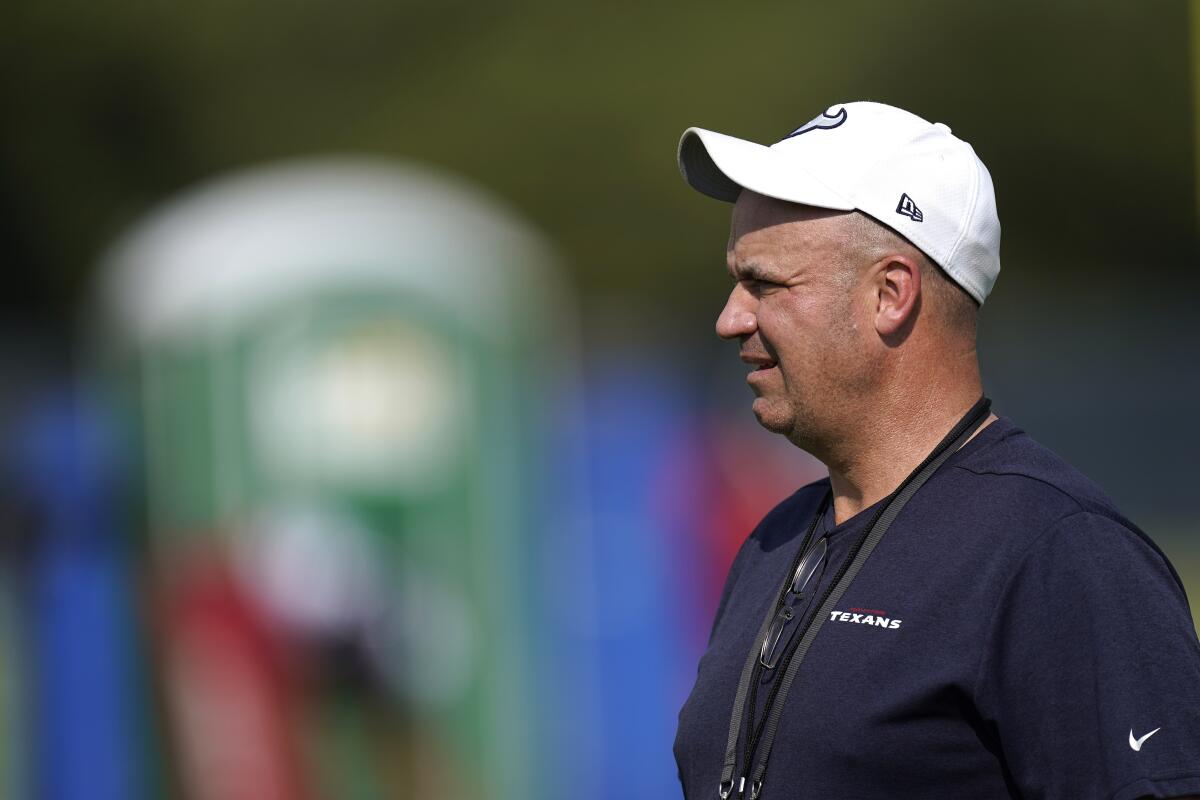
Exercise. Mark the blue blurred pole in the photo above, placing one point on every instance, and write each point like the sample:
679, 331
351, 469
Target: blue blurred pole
79, 611
622, 631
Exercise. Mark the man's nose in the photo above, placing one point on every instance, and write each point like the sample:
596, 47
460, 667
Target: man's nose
737, 317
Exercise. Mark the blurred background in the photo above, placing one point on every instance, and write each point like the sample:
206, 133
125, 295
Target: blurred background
365, 434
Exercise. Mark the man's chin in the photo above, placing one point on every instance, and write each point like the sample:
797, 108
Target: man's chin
771, 417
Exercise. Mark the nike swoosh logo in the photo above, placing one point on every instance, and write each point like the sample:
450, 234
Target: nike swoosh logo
1136, 744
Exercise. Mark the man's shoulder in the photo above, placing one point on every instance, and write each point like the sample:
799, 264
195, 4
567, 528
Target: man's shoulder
1031, 495
1026, 474
790, 517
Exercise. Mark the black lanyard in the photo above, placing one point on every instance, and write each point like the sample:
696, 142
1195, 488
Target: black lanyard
760, 745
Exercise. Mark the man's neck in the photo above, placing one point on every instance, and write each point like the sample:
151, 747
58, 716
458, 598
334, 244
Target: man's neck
894, 447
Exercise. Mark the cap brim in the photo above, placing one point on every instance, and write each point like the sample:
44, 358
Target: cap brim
721, 166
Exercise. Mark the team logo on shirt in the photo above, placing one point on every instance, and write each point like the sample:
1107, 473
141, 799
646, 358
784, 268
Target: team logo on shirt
866, 616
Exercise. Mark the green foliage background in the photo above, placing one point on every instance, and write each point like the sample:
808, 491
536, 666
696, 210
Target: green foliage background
570, 111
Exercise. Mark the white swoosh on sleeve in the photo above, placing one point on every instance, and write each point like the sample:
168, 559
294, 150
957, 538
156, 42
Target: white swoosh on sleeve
1136, 744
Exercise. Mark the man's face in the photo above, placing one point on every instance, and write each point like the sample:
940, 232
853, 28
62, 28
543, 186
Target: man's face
793, 309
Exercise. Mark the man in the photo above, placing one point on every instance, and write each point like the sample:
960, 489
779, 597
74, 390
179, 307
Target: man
955, 612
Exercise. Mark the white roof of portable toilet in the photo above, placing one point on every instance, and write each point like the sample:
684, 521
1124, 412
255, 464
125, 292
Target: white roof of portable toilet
229, 249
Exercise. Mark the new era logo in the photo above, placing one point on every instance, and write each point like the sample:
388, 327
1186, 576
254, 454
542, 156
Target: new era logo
909, 209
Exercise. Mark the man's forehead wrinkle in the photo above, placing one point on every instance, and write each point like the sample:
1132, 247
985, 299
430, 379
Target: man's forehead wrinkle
783, 251
758, 254
797, 235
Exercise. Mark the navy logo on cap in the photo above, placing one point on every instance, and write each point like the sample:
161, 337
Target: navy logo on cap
908, 208
823, 122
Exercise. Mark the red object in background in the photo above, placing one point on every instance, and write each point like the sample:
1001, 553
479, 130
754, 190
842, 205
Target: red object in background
719, 482
230, 707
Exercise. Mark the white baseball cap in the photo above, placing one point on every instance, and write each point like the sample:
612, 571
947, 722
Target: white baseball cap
912, 175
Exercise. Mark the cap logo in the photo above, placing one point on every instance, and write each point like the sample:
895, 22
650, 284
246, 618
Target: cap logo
825, 122
907, 208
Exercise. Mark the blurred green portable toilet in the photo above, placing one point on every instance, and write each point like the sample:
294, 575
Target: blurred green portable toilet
340, 373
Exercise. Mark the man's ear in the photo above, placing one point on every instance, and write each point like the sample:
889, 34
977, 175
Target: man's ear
897, 284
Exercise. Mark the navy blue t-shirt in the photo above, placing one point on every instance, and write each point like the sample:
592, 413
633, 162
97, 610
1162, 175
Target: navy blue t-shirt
1012, 635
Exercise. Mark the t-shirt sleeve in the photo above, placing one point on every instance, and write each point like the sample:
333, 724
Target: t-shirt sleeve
731, 578
1090, 679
